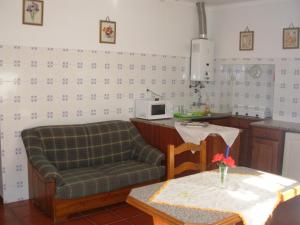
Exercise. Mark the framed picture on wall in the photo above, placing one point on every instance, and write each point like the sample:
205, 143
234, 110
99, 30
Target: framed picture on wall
291, 37
246, 40
107, 32
33, 12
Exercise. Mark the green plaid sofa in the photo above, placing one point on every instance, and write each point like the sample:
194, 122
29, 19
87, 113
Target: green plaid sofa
88, 159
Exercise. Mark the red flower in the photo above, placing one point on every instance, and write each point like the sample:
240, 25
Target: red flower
218, 157
222, 160
229, 162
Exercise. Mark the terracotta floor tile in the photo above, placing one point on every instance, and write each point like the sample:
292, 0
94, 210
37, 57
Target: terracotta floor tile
81, 221
93, 211
25, 213
124, 222
104, 217
127, 212
10, 222
7, 217
141, 220
26, 210
5, 212
118, 205
19, 203
36, 220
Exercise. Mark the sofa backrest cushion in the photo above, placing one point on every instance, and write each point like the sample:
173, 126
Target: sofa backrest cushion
82, 145
110, 142
66, 146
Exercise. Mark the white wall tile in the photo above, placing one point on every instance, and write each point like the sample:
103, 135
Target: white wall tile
46, 86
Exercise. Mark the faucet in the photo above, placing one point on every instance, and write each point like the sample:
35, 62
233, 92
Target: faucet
198, 86
199, 103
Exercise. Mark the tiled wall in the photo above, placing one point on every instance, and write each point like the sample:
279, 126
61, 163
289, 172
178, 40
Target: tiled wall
224, 94
287, 90
234, 89
253, 88
42, 86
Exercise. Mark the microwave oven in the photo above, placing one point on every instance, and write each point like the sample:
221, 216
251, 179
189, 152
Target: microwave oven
152, 110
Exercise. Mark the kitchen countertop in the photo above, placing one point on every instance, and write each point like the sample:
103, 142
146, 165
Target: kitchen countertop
281, 125
171, 121
268, 123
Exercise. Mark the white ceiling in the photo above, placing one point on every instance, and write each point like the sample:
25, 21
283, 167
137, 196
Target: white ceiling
219, 2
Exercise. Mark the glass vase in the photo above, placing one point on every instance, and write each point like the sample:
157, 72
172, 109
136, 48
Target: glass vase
223, 174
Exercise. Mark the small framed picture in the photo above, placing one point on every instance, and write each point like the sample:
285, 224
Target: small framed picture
246, 40
107, 32
33, 12
291, 38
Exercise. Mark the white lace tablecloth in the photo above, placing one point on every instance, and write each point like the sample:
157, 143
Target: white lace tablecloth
253, 197
196, 134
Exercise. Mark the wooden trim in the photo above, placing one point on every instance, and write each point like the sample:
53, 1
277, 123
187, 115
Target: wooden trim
172, 152
186, 147
165, 219
64, 207
170, 162
203, 157
159, 221
186, 166
152, 211
42, 193
291, 193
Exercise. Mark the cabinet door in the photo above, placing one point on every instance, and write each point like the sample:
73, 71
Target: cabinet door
245, 153
265, 155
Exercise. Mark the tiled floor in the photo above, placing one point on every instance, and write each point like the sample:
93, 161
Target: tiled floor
25, 213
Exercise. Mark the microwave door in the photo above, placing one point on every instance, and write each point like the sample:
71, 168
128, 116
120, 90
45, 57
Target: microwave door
157, 110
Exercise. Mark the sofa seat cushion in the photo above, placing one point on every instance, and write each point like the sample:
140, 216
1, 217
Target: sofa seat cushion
104, 178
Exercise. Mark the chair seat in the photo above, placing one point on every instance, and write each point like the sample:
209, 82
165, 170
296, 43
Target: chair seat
86, 181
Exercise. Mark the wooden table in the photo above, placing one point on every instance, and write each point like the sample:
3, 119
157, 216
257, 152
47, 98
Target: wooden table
171, 215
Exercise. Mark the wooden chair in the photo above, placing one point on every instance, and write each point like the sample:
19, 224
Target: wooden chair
172, 152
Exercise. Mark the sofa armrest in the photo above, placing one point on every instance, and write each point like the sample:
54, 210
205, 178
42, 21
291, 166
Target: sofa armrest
37, 158
45, 168
142, 151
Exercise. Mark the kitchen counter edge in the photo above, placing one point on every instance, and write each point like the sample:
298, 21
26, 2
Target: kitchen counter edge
280, 125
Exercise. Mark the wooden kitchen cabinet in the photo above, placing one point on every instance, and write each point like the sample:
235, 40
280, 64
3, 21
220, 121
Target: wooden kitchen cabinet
267, 149
221, 122
243, 123
161, 136
265, 154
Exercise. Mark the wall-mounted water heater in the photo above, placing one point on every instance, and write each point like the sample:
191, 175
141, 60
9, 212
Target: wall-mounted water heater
202, 60
202, 51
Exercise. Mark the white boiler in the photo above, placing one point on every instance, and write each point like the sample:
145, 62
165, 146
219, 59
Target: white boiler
202, 60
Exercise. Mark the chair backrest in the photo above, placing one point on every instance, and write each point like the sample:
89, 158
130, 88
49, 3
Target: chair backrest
173, 151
